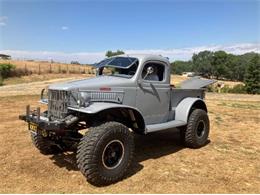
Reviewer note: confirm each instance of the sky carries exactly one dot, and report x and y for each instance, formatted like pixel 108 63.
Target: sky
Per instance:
pixel 84 30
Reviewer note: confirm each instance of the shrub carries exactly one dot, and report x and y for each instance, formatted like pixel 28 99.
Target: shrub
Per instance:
pixel 18 72
pixel 1 80
pixel 73 71
pixel 6 69
pixel 63 71
pixel 239 88
pixel 225 89
pixel 212 88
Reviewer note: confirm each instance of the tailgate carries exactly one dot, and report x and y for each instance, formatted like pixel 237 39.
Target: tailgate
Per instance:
pixel 196 83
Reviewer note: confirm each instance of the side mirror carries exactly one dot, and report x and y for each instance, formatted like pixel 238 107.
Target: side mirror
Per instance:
pixel 149 71
pixel 97 71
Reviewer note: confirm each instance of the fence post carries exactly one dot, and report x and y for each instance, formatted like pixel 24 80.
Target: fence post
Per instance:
pixel 39 68
pixel 25 68
pixel 67 68
pixel 50 71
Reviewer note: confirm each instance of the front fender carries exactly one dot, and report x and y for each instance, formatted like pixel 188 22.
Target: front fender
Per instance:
pixel 184 107
pixel 96 107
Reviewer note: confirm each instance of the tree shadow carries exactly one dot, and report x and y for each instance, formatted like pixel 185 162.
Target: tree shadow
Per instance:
pixel 153 146
pixel 150 146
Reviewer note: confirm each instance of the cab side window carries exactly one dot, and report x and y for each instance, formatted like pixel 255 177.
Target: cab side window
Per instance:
pixel 153 72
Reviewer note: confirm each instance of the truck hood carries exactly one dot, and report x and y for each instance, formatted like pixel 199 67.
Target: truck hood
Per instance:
pixel 92 83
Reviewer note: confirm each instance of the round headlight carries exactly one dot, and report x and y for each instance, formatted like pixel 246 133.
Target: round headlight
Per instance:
pixel 84 99
pixel 44 93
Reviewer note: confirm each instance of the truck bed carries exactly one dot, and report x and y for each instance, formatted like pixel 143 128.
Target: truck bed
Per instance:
pixel 194 87
pixel 178 95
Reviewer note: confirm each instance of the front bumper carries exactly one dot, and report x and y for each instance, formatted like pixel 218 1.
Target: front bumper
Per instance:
pixel 42 122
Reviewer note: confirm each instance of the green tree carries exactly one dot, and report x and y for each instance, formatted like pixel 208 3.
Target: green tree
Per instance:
pixel 252 79
pixel 219 64
pixel 75 62
pixel 233 69
pixel 243 62
pixel 178 67
pixel 110 53
pixel 202 63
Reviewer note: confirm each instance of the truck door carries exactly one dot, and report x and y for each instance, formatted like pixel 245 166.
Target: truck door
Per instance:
pixel 153 92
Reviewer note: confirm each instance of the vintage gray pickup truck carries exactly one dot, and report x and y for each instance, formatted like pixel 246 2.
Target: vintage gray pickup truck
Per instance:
pixel 130 94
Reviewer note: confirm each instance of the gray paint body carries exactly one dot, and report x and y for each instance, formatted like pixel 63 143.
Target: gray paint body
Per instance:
pixel 160 105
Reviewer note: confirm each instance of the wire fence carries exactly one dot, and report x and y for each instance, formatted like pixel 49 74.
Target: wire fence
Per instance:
pixel 42 67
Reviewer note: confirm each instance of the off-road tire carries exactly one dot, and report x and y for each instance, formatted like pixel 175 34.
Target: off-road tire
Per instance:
pixel 197 131
pixel 44 145
pixel 91 149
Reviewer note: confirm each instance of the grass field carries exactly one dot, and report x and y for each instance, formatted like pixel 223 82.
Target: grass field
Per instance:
pixel 45 67
pixel 44 71
pixel 228 164
pixel 43 77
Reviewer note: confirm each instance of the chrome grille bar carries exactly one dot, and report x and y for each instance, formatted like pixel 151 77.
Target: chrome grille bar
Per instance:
pixel 57 103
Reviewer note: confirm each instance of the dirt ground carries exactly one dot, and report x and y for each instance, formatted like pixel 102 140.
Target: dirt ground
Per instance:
pixel 229 163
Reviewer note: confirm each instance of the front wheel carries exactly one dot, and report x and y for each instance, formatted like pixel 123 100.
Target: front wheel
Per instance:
pixel 197 130
pixel 105 153
pixel 44 145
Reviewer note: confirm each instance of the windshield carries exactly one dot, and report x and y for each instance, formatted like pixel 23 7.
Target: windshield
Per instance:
pixel 118 66
pixel 120 62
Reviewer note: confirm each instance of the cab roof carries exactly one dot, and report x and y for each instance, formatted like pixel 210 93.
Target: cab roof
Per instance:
pixel 141 58
pixel 147 57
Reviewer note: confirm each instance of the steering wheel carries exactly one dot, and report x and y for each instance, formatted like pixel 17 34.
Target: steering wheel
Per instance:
pixel 131 72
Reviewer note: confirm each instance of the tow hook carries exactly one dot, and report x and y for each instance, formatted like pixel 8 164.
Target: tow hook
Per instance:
pixel 71 119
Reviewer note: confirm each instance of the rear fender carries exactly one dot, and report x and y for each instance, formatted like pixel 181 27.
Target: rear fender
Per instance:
pixel 185 107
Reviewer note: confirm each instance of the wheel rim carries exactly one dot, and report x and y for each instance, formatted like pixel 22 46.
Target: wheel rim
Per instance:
pixel 201 128
pixel 113 154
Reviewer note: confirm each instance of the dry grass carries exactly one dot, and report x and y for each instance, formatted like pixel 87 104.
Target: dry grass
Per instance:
pixel 45 67
pixel 228 164
pixel 43 77
pixel 60 70
pixel 177 79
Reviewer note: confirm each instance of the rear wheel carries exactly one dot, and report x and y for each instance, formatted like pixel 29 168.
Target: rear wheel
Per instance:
pixel 105 153
pixel 196 133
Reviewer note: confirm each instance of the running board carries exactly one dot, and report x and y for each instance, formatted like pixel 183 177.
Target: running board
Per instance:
pixel 163 126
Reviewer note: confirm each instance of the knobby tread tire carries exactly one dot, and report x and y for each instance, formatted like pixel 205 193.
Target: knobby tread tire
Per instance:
pixel 91 147
pixel 43 145
pixel 190 138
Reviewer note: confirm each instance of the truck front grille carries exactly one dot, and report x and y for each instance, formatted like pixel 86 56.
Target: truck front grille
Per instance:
pixel 57 103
